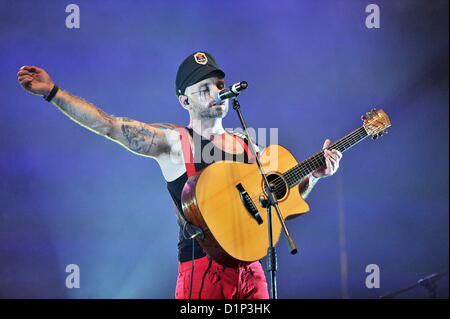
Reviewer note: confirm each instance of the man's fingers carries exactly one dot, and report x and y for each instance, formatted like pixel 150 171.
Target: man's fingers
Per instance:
pixel 332 158
pixel 329 164
pixel 335 154
pixel 26 72
pixel 25 84
pixel 31 68
pixel 326 143
pixel 23 72
pixel 331 155
pixel 37 69
pixel 338 154
pixel 25 78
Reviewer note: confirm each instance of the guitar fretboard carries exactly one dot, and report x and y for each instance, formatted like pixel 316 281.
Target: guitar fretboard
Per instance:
pixel 295 174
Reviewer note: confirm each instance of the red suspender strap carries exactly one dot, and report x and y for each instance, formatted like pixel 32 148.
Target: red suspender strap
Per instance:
pixel 250 155
pixel 189 157
pixel 187 152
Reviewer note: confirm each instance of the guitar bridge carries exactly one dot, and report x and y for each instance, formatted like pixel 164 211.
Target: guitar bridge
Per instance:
pixel 248 203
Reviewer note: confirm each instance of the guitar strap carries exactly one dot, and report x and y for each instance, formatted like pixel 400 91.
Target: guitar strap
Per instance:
pixel 188 156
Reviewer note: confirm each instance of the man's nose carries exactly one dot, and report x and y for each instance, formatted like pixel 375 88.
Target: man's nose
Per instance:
pixel 211 98
pixel 214 93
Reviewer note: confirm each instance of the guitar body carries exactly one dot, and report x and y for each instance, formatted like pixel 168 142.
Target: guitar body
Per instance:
pixel 215 200
pixel 224 199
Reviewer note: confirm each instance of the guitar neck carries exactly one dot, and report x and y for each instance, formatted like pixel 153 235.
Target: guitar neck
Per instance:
pixel 297 173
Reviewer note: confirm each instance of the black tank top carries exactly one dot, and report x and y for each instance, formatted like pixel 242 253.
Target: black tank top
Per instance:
pixel 175 188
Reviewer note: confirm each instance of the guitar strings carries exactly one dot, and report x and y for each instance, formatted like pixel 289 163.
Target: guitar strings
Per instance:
pixel 294 175
pixel 318 159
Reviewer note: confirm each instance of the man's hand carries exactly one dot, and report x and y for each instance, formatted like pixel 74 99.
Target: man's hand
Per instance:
pixel 332 159
pixel 35 80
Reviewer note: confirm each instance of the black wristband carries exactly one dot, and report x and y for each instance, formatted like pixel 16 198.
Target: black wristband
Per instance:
pixel 52 93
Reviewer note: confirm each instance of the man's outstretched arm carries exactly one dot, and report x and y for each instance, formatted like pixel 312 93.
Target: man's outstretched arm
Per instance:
pixel 141 138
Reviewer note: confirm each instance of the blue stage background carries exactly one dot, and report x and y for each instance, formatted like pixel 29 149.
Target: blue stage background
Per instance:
pixel 68 196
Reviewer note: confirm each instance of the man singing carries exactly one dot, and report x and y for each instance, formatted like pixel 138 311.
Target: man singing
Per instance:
pixel 198 80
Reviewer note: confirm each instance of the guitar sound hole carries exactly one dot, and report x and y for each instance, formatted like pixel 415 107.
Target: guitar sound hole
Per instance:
pixel 279 184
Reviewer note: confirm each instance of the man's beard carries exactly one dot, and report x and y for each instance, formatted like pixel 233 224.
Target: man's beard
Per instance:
pixel 214 112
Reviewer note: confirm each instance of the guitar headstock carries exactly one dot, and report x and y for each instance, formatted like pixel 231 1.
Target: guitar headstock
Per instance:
pixel 376 123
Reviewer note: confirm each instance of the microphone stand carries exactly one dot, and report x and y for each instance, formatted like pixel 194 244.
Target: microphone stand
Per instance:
pixel 429 283
pixel 268 203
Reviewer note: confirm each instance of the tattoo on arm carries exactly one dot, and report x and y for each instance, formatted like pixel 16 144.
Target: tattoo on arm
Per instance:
pixel 144 139
pixel 140 139
pixel 83 112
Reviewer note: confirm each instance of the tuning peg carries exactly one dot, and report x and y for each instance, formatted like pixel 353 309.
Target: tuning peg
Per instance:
pixel 363 118
pixel 374 137
pixel 385 131
pixel 373 111
pixel 368 115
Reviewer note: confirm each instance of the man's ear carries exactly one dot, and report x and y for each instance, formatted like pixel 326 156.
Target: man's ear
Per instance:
pixel 184 101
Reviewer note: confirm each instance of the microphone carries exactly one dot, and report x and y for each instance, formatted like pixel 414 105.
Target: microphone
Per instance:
pixel 231 92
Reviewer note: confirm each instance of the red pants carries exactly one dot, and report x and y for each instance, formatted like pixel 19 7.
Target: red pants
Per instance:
pixel 214 281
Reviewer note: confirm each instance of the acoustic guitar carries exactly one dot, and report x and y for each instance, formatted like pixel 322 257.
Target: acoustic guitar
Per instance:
pixel 224 199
